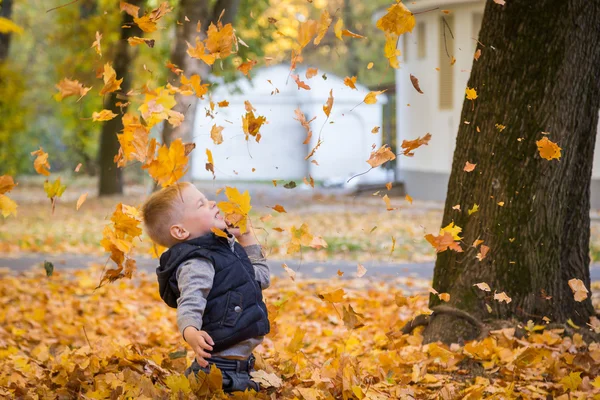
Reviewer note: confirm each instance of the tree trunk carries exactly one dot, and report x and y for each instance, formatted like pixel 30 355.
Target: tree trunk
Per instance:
pixel 111 177
pixel 538 72
pixel 5 11
pixel 186 32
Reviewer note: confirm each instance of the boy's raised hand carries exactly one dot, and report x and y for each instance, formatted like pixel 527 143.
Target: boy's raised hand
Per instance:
pixel 201 343
pixel 248 238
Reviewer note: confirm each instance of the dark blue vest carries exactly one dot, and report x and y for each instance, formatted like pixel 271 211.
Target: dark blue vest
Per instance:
pixel 235 310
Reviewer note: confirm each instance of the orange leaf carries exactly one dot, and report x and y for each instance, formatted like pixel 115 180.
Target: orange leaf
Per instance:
pixel 548 149
pixel 130 9
pixel 324 23
pixel 215 134
pixel 96 45
pixel 6 184
pixel 415 83
pixel 409 199
pixel 310 72
pixel 196 83
pixel 469 167
pixel 388 203
pixel 223 103
pixel 218 232
pixel 245 68
pixel 471 93
pixel 410 145
pixel 81 200
pixel 104 115
pixel 579 289
pixel 279 208
pixel 290 272
pixel 306 31
pixel 110 80
pixel 337 296
pixel 220 40
pixel 252 124
pixel 199 52
pixel 68 87
pixel 346 32
pixel 382 155
pixel 41 164
pixel 301 84
pixel 483 251
pixel 502 297
pixel 136 41
pixel 329 104
pixel 360 271
pixel 170 165
pixel 375 129
pixel 443 242
pixel 388 186
pixel 350 82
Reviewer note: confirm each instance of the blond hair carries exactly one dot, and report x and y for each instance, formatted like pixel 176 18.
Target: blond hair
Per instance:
pixel 160 211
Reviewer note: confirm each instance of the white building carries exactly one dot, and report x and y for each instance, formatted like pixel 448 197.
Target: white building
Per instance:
pixel 438 110
pixel 280 154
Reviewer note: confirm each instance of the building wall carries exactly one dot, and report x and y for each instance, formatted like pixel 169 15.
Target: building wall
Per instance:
pixel 438 110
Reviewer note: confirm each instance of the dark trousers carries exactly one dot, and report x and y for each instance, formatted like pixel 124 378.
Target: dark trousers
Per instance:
pixel 236 373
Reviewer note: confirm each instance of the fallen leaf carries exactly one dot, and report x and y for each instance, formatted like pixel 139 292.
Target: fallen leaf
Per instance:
pixel 81 200
pixel 266 379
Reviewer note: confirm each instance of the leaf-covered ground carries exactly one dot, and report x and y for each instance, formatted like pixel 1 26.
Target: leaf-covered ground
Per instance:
pixel 61 338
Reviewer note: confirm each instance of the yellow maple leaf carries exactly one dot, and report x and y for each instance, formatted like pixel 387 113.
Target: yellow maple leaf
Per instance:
pixel 452 229
pixel 324 23
pixel 104 115
pixel 572 381
pixel 55 189
pixel 111 83
pixel 337 296
pixel 133 141
pixel 473 209
pixel 220 40
pixel 146 24
pixel 391 51
pixel 215 134
pixel 306 31
pixel 126 219
pixel 296 343
pixel 7 206
pixel 350 82
pixel 548 149
pixel 195 82
pixel 299 237
pixel 170 165
pixel 199 52
pixel 337 28
pixel 67 87
pixel 371 97
pixel 136 41
pixel 398 20
pixel 41 164
pixel 252 124
pixel 156 106
pixel 471 93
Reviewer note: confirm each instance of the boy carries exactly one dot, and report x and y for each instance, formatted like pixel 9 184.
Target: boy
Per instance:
pixel 214 282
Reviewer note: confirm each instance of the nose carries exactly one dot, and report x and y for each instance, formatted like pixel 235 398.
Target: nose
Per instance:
pixel 212 204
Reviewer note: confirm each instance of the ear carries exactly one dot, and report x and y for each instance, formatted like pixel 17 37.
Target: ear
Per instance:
pixel 178 232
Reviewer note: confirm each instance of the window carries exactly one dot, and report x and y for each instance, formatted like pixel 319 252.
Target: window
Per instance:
pixel 446 52
pixel 421 41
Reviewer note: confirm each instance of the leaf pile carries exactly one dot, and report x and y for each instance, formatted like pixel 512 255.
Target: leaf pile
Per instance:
pixel 329 340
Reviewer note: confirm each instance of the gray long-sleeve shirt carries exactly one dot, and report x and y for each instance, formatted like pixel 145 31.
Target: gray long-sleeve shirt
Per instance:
pixel 195 279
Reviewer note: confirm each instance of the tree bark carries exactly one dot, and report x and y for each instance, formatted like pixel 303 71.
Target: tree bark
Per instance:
pixel 186 32
pixel 111 177
pixel 5 11
pixel 538 72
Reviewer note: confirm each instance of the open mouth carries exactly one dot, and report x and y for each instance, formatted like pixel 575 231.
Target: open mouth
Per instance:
pixel 218 215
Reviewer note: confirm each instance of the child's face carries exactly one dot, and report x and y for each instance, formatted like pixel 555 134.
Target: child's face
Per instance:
pixel 198 215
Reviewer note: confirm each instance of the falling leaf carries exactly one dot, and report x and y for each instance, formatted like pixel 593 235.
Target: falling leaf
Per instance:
pixel 337 28
pixel 324 23
pixel 301 84
pixel 471 93
pixel 54 190
pixel 388 186
pixel 483 286
pixel 444 297
pixel 210 165
pixel 7 206
pixel 68 87
pixel 245 67
pixel 443 242
pixel 415 83
pixel 279 208
pixel 111 83
pixel 483 251
pixel 340 273
pixel 81 200
pixel 136 41
pixel 41 164
pixel 409 199
pixel 501 203
pixel 381 156
pixel 346 32
pixel 252 124
pixel 170 165
pixel 223 103
pixel 350 82
pixel 311 72
pixel 398 20
pixel 104 115
pixel 370 65
pixel 351 318
pixel 501 2
pixel 306 31
pixel 469 167
pixel 236 209
pixel 199 52
pixel 548 149
pixel 579 290
pixel 215 134
pixel 473 209
pixel 502 297
pixel 500 127
pixel 290 185
pixel 477 242
pixel 477 55
pixel 375 129
pixel 337 296
pixel 289 271
pixel 371 97
pixel 456 207
pixel 6 184
pixel 360 271
pixel 130 9
pixel 388 203
pixel 96 45
pixel 7 26
pixel 410 145
pixel 195 83
pixel 329 104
